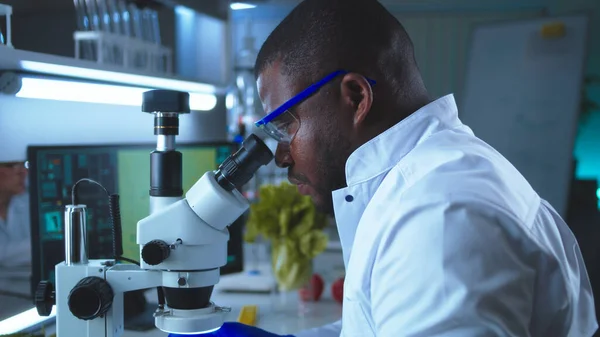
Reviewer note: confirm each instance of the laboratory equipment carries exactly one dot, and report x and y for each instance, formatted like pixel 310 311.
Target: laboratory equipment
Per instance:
pixel 91 10
pixel 6 11
pixel 121 7
pixel 122 168
pixel 243 110
pixel 84 23
pixel 117 32
pixel 182 242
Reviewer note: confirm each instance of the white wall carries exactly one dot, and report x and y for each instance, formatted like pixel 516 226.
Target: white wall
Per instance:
pixel 441 42
pixel 202 45
pixel 592 8
pixel 440 33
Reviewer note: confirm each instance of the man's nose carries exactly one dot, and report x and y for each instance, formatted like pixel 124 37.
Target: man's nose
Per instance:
pixel 283 158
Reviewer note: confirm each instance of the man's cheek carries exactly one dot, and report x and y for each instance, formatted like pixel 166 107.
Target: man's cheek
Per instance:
pixel 302 154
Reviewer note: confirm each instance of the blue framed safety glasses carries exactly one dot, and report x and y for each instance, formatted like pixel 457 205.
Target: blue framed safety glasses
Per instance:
pixel 281 124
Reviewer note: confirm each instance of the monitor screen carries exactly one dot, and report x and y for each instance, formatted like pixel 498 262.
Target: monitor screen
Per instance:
pixel 120 169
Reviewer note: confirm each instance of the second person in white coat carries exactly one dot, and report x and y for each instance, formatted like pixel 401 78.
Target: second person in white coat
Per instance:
pixel 15 241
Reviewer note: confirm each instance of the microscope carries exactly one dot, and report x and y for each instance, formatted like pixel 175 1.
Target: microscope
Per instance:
pixel 183 242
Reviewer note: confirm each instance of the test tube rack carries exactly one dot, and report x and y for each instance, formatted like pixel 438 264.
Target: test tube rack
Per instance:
pixel 6 10
pixel 124 51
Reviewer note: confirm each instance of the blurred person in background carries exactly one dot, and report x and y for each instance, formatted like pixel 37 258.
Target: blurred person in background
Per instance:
pixel 15 244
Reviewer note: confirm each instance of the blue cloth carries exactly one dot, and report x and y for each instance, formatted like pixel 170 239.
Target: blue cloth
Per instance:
pixel 235 329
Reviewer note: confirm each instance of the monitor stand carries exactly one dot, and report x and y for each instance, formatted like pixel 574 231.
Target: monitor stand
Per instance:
pixel 137 312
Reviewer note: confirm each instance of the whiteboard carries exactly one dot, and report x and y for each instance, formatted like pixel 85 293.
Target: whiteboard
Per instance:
pixel 522 96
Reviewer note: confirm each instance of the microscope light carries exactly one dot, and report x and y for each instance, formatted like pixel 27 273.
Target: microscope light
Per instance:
pixel 63 90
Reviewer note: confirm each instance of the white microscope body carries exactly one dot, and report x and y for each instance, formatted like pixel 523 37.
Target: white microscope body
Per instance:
pixel 183 243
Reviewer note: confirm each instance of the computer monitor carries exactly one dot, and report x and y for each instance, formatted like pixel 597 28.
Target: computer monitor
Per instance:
pixel 122 169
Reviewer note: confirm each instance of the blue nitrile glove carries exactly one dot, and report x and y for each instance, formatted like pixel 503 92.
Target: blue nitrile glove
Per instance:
pixel 235 329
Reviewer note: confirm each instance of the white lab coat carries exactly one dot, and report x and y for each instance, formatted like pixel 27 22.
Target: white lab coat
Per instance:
pixel 15 242
pixel 442 237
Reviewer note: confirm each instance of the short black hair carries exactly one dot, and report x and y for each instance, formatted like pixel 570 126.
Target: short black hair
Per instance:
pixel 322 36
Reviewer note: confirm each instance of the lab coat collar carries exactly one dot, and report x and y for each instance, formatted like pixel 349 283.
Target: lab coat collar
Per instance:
pixel 383 152
pixel 368 165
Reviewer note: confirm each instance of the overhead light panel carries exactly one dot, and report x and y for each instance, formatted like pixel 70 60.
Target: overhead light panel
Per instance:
pixel 186 11
pixel 241 5
pixel 75 91
pixel 24 320
pixel 115 77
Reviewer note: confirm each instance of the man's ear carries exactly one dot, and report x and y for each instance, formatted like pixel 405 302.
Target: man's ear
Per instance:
pixel 357 93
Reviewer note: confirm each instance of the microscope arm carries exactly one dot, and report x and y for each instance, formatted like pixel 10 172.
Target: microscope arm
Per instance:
pixel 191 234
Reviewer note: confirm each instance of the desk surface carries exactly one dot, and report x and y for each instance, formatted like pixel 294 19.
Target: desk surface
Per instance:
pixel 277 313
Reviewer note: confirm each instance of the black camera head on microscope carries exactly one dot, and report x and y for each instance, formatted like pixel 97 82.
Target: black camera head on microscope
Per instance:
pixel 166 101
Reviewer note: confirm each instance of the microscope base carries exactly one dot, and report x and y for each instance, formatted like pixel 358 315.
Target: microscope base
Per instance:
pixel 191 321
pixel 75 317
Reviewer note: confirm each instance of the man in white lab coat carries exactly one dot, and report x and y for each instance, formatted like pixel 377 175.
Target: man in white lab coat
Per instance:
pixel 441 235
pixel 15 244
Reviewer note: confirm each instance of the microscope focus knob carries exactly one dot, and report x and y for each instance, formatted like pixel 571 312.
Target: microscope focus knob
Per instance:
pixel 155 252
pixel 90 298
pixel 44 298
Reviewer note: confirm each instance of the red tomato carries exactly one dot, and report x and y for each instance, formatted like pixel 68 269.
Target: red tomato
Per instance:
pixel 337 290
pixel 313 290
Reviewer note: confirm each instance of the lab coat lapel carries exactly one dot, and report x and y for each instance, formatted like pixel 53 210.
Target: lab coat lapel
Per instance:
pixel 347 216
pixel 349 204
pixel 369 164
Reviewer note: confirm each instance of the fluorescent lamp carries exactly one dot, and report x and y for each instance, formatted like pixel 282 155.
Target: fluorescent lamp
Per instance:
pixel 24 320
pixel 116 77
pixel 241 5
pixel 62 90
pixel 186 11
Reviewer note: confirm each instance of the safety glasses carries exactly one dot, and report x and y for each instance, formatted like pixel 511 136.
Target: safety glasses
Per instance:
pixel 281 124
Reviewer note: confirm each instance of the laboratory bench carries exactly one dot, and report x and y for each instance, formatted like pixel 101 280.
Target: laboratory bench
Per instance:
pixel 277 313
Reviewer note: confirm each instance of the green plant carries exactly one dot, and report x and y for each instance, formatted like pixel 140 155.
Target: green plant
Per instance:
pixel 294 227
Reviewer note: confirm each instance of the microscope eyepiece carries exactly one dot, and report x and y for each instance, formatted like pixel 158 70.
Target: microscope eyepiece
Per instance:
pixel 240 167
